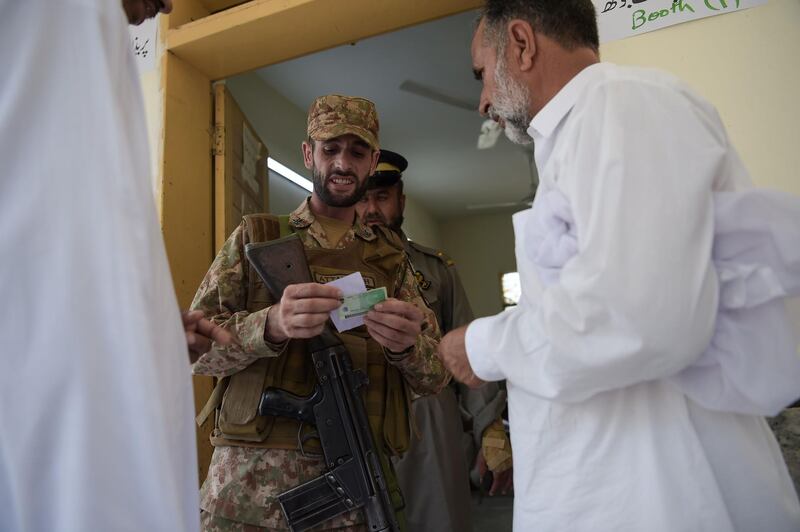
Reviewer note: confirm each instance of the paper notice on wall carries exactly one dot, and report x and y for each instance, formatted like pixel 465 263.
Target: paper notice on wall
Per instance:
pixel 618 19
pixel 144 43
pixel 251 149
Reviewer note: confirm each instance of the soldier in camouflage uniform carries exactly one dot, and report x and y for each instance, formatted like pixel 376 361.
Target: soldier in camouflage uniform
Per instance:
pixel 257 458
pixel 433 474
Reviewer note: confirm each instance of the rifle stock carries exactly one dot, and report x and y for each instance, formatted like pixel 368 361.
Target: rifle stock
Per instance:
pixel 280 263
pixel 353 477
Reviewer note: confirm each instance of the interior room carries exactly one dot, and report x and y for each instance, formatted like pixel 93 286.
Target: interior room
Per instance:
pixel 578 310
pixel 416 67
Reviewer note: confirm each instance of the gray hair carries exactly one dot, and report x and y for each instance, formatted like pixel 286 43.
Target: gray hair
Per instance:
pixel 571 23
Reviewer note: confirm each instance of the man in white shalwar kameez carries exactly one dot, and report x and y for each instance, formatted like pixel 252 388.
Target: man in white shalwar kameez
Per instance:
pixel 96 403
pixel 651 336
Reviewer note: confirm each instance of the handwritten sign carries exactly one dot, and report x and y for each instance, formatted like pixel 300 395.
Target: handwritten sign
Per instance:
pixel 618 19
pixel 144 42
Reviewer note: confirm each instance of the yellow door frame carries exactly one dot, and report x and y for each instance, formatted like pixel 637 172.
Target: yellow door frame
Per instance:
pixel 201 48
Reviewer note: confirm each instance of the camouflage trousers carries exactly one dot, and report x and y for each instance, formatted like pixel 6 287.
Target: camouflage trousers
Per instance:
pixel 215 523
pixel 243 485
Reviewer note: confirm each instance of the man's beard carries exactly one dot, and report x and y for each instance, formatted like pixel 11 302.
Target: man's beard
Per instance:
pixel 328 198
pixel 394 224
pixel 511 103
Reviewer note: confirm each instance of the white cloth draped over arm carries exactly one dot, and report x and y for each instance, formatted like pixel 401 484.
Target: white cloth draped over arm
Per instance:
pixel 752 364
pixel 638 300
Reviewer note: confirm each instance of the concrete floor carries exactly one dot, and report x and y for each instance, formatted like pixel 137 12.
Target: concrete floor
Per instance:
pixel 492 514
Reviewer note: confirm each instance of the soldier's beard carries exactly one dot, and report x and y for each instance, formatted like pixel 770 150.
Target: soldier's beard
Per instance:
pixel 511 103
pixel 335 200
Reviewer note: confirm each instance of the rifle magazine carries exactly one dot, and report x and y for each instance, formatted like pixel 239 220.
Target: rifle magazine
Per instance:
pixel 315 502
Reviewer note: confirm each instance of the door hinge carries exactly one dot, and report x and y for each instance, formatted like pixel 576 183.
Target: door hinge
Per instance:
pixel 219 140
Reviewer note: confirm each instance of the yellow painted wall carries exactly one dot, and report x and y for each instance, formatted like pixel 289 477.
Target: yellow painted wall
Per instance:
pixel 747 64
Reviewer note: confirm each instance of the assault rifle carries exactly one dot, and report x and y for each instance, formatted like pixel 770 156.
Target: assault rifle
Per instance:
pixel 353 477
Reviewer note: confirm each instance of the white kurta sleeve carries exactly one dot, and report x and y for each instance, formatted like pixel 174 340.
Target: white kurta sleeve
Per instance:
pixel 638 300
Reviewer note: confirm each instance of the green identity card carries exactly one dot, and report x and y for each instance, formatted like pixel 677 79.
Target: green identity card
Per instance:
pixel 360 304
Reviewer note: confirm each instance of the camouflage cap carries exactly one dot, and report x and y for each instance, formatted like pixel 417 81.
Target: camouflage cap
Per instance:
pixel 335 115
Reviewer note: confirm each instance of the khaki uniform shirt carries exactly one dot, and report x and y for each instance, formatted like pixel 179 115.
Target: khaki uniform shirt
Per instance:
pixel 433 474
pixel 442 289
pixel 243 483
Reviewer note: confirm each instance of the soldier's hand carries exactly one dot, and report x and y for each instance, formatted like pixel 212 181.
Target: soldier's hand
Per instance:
pixel 394 324
pixel 453 353
pixel 200 333
pixel 302 311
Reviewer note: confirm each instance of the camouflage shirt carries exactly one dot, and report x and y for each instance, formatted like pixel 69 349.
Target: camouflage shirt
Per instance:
pixel 243 482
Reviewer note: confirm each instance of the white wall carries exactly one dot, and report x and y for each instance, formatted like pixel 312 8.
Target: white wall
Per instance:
pixel 420 226
pixel 483 249
pixel 279 123
pixel 281 126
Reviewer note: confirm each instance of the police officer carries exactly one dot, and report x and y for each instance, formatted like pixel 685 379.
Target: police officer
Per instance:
pixel 255 457
pixel 434 473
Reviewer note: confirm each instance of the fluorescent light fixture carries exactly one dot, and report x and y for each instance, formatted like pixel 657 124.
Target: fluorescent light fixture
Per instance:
pixel 289 174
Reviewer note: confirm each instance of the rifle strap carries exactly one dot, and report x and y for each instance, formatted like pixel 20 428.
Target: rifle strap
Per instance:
pixel 257 228
pixel 283 225
pixel 392 484
pixel 214 400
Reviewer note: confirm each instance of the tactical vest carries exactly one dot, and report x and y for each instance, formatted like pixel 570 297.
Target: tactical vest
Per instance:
pixel 386 397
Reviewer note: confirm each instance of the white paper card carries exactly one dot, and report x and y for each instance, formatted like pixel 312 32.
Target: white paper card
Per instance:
pixel 618 19
pixel 349 285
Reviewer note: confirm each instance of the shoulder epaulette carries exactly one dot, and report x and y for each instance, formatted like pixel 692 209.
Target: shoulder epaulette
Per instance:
pixel 433 253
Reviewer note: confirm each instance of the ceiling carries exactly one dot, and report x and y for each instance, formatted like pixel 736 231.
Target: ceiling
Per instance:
pixel 446 171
